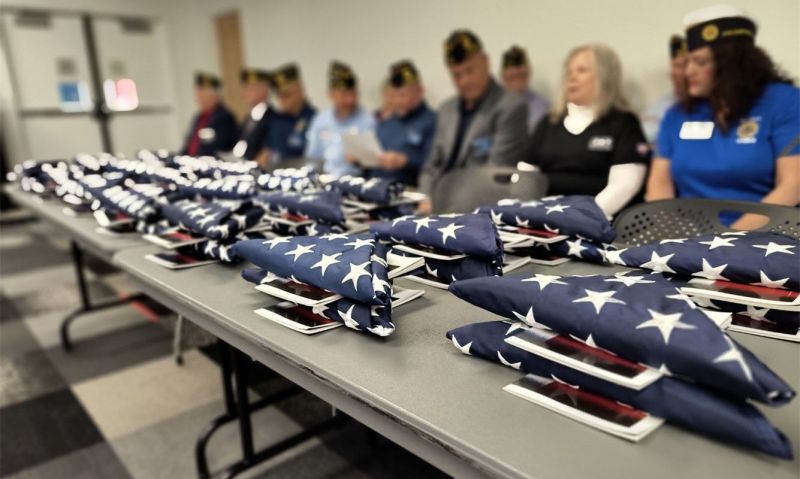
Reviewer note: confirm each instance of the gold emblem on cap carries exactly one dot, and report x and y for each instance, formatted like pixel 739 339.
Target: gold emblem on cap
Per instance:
pixel 748 128
pixel 252 77
pixel 710 32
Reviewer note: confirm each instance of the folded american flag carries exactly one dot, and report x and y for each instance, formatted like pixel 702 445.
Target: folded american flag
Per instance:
pixel 210 167
pixel 377 319
pixel 642 318
pixel 567 215
pixel 789 319
pixel 139 203
pixel 351 265
pixel 753 257
pixel 315 228
pixel 684 404
pixel 221 250
pixel 215 220
pixel 374 190
pixel 584 250
pixel 453 270
pixel 323 206
pixel 228 187
pixel 472 234
pixel 288 179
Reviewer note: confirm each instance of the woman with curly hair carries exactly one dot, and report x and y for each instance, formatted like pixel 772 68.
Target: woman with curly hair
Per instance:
pixel 737 134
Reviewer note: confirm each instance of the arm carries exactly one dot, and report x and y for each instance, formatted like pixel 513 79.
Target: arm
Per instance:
pixel 659 184
pixel 510 135
pixel 624 181
pixel 786 191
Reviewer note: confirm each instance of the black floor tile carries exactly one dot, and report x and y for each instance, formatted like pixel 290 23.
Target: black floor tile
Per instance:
pixel 38 254
pixel 8 312
pixel 27 376
pixel 42 429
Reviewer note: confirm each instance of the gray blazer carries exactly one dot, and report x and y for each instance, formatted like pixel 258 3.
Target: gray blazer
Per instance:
pixel 496 135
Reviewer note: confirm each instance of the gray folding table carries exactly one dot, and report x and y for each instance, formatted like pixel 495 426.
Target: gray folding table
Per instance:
pixel 416 389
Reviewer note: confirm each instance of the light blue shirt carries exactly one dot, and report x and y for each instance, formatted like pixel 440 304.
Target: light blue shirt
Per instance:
pixel 325 139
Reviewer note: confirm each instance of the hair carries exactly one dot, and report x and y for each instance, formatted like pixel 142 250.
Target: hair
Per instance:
pixel 608 87
pixel 741 72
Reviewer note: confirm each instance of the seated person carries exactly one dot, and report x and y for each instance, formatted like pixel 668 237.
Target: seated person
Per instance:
pixel 407 135
pixel 344 116
pixel 289 122
pixel 517 74
pixel 482 125
pixel 255 93
pixel 591 144
pixel 213 127
pixel 737 136
pixel 651 119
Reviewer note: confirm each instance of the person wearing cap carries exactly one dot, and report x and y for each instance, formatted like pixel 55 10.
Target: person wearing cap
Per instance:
pixel 343 116
pixel 288 123
pixel 482 125
pixel 737 135
pixel 517 73
pixel 255 92
pixel 591 143
pixel 214 127
pixel 407 135
pixel 677 76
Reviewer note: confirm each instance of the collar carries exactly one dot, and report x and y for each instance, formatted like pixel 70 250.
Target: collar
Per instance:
pixel 462 104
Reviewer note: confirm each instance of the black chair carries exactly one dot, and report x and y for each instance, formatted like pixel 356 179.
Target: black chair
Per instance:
pixel 463 190
pixel 688 217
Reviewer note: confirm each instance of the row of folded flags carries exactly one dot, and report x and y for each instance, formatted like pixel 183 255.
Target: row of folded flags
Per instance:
pixel 622 352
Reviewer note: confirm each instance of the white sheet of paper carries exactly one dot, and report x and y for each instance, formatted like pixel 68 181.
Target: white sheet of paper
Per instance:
pixel 363 146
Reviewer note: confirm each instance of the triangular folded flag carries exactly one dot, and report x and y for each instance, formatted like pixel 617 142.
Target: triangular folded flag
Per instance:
pixel 754 257
pixel 324 206
pixel 575 215
pixel 684 404
pixel 373 190
pixel 217 220
pixel 353 266
pixel 640 318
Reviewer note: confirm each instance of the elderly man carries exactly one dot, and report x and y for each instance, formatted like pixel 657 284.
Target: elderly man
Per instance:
pixel 483 124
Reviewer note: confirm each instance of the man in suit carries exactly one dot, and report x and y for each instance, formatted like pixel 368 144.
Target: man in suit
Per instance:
pixel 255 92
pixel 482 125
pixel 214 127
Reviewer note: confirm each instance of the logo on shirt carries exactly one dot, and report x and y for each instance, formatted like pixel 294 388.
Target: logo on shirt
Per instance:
pixel 601 143
pixel 747 130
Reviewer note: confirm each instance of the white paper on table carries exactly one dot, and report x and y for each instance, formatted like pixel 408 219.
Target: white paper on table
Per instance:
pixel 363 146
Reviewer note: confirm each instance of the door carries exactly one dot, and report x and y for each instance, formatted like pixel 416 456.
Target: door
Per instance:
pixel 231 59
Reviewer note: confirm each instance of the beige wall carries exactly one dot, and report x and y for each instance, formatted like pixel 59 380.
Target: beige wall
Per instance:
pixel 370 34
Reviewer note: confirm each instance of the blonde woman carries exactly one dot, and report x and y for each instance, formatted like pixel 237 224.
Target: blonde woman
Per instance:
pixel 591 144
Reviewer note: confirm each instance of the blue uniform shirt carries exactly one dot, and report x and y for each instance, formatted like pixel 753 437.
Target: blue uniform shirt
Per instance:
pixel 411 135
pixel 286 134
pixel 325 139
pixel 740 163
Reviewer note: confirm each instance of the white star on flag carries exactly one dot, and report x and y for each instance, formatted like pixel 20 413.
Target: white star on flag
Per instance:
pixel 356 271
pixel 326 261
pixel 733 354
pixel 665 323
pixel 449 231
pixel 528 318
pixel 543 280
pixel 423 222
pixel 506 363
pixel 628 280
pixel 599 299
pixel 359 243
pixel 771 283
pixel 465 348
pixel 719 242
pixel 575 248
pixel 521 223
pixel 659 263
pixel 614 256
pixel 334 236
pixel 676 240
pixel 299 251
pixel 347 317
pixel 555 209
pixel 497 218
pixel 773 247
pixel 711 272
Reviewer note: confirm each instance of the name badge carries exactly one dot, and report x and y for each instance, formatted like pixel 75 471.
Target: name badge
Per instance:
pixel 482 145
pixel 206 134
pixel 601 143
pixel 696 130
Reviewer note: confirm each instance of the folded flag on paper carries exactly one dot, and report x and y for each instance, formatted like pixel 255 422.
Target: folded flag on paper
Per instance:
pixel 376 319
pixel 227 187
pixel 684 404
pixel 353 266
pixel 576 215
pixel 288 179
pixel 321 206
pixel 754 257
pixel 641 318
pixel 374 190
pixel 216 220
